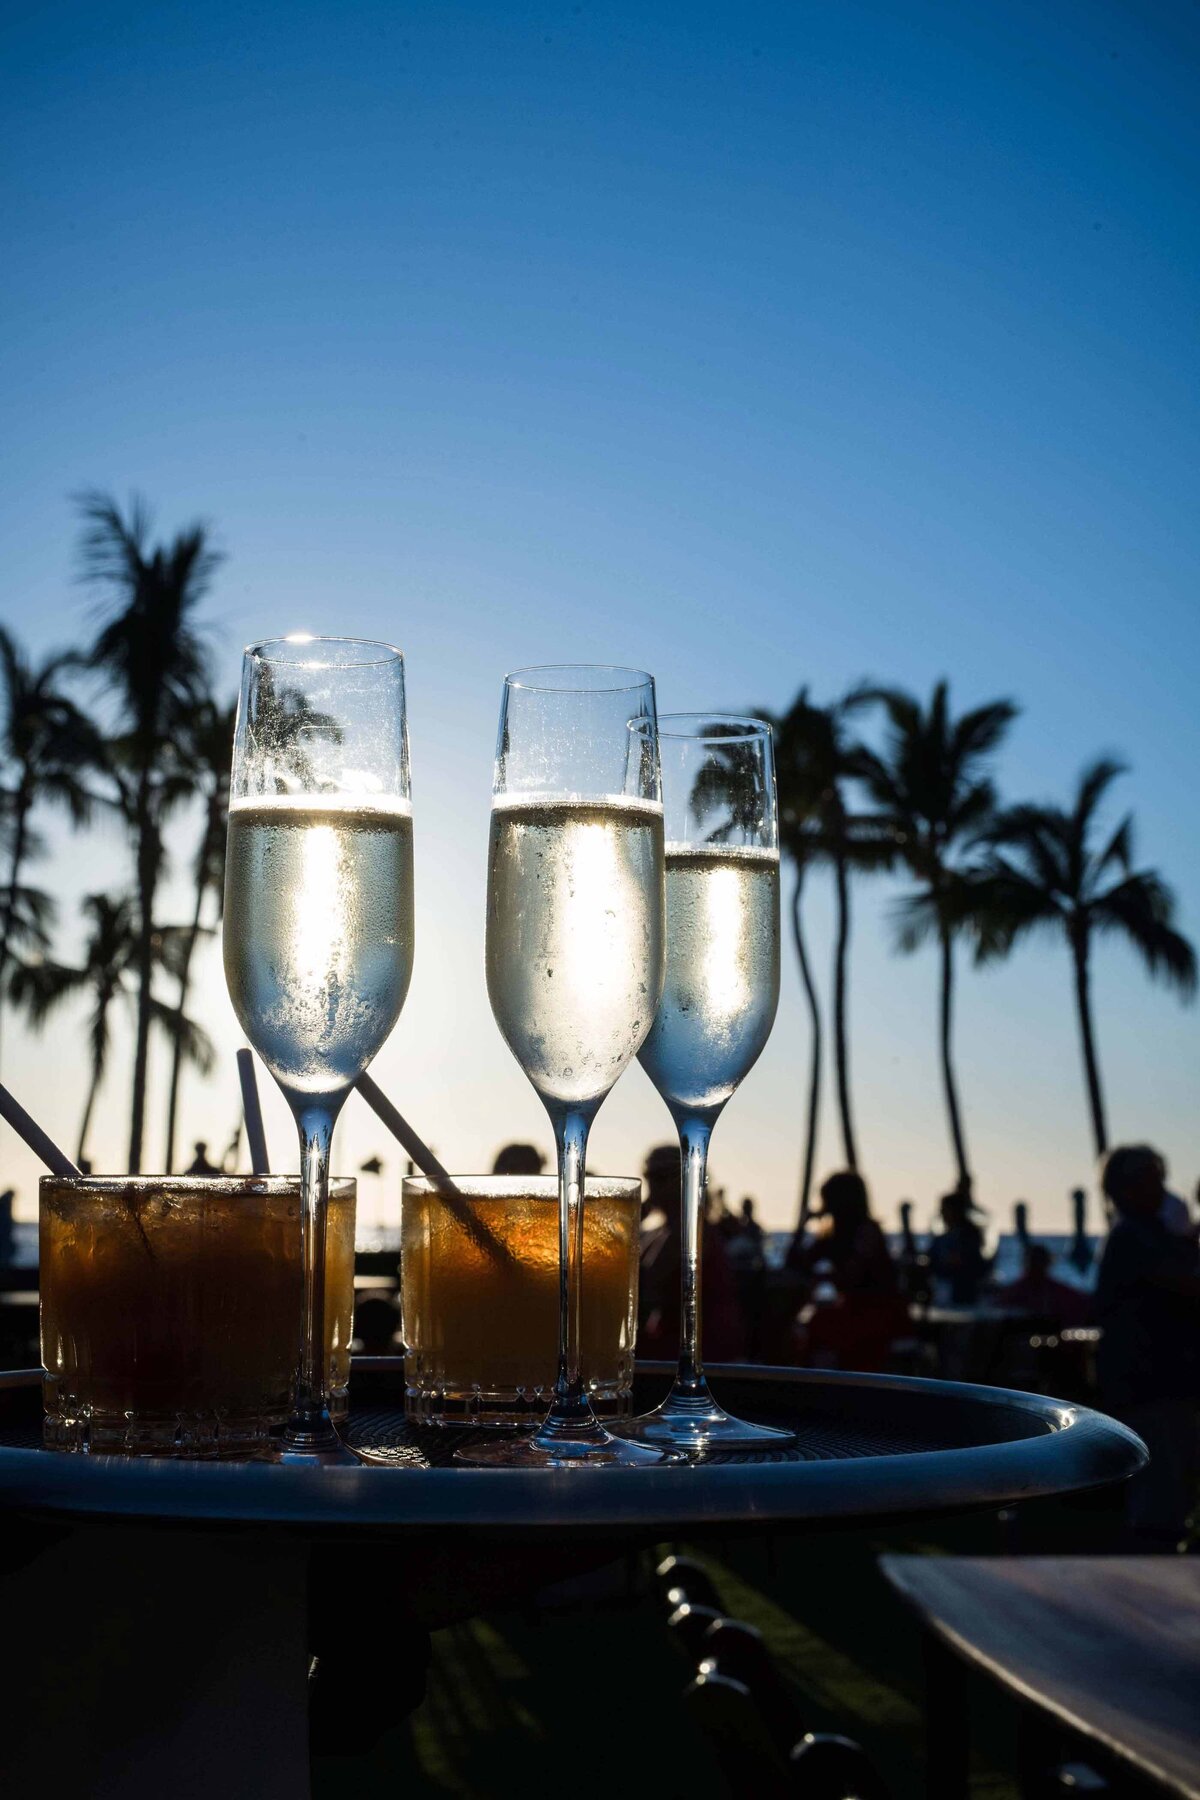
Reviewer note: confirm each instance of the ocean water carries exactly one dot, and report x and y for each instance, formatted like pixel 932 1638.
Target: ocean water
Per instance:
pixel 1007 1249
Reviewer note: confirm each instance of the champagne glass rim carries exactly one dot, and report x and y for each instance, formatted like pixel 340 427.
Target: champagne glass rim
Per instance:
pixel 267 650
pixel 520 678
pixel 745 727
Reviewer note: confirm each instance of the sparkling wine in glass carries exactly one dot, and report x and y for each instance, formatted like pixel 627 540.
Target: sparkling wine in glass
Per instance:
pixel 574 959
pixel 718 1005
pixel 318 931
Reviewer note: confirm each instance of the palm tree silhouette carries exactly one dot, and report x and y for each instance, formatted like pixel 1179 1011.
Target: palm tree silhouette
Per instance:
pixel 149 649
pixel 936 799
pixel 209 744
pixel 1046 873
pixel 47 748
pixel 815 761
pixel 108 973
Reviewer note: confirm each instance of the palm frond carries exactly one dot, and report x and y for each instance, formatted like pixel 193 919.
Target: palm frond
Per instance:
pixel 979 733
pixel 173 947
pixel 28 915
pixel 40 987
pixel 1142 910
pixel 1118 852
pixel 916 920
pixel 194 1041
pixel 999 905
pixel 1040 836
pixel 1094 783
pixel 732 787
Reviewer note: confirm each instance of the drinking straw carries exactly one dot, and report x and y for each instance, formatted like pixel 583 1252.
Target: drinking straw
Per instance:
pixel 256 1137
pixel 402 1131
pixel 43 1147
pixel 427 1162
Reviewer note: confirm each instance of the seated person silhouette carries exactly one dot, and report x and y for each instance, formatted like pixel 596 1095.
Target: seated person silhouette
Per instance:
pixel 518 1159
pixel 1037 1291
pixel 956 1258
pixel 200 1164
pixel 1148 1360
pixel 658 1299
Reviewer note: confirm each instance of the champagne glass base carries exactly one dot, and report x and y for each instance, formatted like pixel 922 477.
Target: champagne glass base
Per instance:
pixel 310 1443
pixel 340 1455
pixel 697 1425
pixel 592 1448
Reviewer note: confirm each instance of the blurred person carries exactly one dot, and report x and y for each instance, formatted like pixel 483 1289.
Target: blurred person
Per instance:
pixel 375 1324
pixel 856 1309
pixel 200 1164
pixel 851 1239
pixel 1148 1362
pixel 1036 1290
pixel 956 1256
pixel 1174 1210
pixel 724 1334
pixel 744 1239
pixel 750 1224
pixel 518 1159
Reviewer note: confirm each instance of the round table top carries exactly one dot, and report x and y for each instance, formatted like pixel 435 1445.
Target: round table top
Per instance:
pixel 869 1447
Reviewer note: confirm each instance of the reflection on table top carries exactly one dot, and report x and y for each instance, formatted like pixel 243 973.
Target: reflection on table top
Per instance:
pixel 1109 1645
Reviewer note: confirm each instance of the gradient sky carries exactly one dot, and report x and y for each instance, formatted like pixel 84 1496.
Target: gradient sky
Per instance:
pixel 755 345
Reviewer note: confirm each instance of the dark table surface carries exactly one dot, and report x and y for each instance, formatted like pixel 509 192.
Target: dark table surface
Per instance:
pixel 869 1446
pixel 1110 1646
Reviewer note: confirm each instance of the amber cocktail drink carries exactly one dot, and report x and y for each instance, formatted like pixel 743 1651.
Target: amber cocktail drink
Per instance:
pixel 171 1309
pixel 479 1281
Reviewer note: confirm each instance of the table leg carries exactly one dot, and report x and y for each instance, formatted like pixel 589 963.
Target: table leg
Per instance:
pixel 143 1663
pixel 947 1725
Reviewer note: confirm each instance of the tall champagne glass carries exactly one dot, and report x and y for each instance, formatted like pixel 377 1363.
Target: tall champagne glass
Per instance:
pixel 717 1008
pixel 318 930
pixel 574 959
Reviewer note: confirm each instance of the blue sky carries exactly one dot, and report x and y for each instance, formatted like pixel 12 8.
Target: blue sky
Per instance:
pixel 756 345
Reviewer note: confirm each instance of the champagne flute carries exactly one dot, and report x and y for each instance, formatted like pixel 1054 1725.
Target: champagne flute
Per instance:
pixel 318 932
pixel 718 1006
pixel 574 960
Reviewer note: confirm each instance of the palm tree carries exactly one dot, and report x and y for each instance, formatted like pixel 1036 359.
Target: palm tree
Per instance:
pixel 107 974
pixel 936 798
pixel 209 751
pixel 815 760
pixel 1046 873
pixel 149 649
pixel 47 747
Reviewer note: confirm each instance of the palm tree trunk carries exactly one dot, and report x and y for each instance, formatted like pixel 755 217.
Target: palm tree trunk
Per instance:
pixel 1091 1065
pixel 946 1027
pixel 106 991
pixel 814 1078
pixel 89 1103
pixel 180 1007
pixel 841 1046
pixel 20 819
pixel 147 871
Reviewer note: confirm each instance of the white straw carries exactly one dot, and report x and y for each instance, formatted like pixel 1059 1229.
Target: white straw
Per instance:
pixel 256 1137
pixel 402 1131
pixel 431 1168
pixel 43 1147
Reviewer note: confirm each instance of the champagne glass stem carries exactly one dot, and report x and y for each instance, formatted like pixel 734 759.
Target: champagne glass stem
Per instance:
pixel 310 1424
pixel 571 1408
pixel 694 1135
